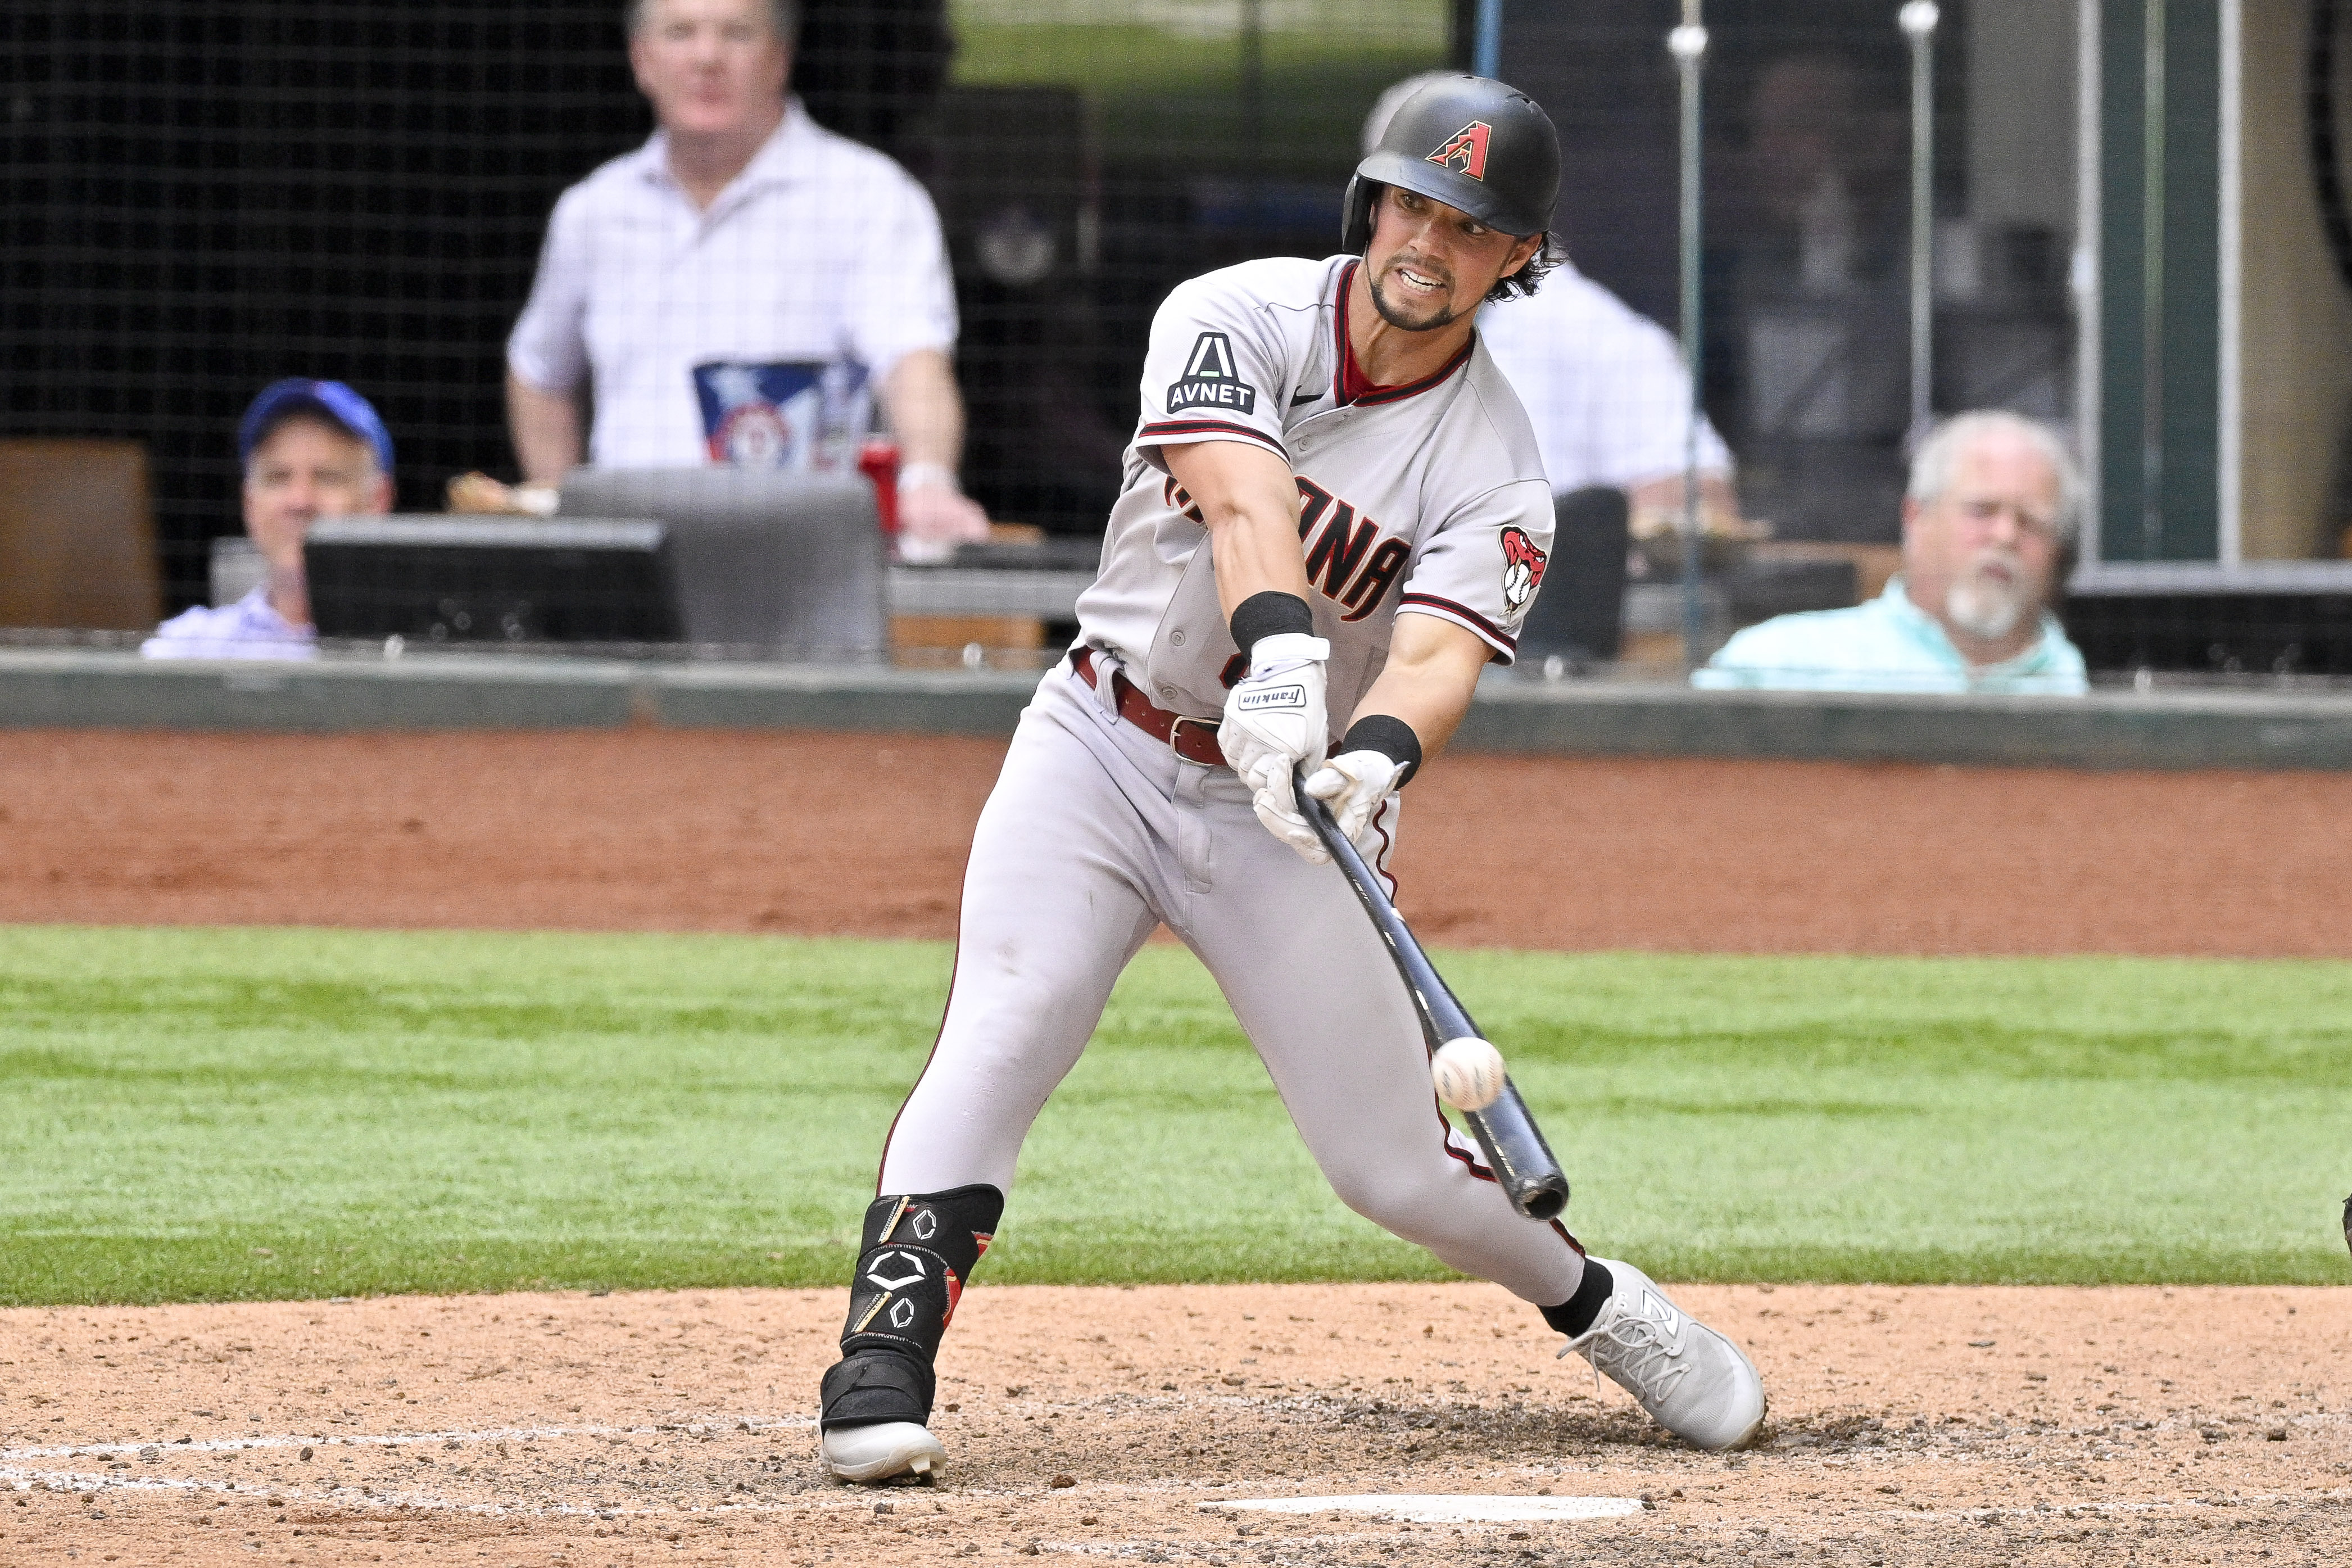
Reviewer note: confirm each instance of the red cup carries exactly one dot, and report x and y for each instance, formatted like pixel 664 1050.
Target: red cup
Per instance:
pixel 879 461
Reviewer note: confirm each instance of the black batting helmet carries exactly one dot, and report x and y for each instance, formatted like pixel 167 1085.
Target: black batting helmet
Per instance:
pixel 1480 146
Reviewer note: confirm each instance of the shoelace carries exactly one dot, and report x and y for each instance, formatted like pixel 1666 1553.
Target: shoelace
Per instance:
pixel 1635 1346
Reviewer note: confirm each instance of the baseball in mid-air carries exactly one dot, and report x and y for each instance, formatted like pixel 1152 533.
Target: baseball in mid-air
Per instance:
pixel 1468 1073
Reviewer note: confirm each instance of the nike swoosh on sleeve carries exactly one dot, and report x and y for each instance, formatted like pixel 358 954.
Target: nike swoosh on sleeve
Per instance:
pixel 1305 397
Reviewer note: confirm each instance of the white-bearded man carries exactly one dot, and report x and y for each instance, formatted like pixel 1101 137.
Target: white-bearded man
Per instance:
pixel 1989 522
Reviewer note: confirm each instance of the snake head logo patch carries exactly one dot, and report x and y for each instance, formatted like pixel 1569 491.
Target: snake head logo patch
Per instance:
pixel 1523 570
pixel 1466 151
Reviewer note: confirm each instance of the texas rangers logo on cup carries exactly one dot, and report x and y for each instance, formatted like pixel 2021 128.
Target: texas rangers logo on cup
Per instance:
pixel 1522 569
pixel 1466 151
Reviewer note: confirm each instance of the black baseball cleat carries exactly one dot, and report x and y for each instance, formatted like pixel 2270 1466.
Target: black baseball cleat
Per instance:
pixel 1693 1382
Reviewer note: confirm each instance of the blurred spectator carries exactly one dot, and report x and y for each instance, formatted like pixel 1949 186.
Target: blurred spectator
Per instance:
pixel 1990 524
pixel 309 449
pixel 742 232
pixel 1824 172
pixel 1605 389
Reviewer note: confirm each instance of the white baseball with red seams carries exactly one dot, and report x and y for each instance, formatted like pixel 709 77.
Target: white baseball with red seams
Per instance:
pixel 1422 500
pixel 1468 1073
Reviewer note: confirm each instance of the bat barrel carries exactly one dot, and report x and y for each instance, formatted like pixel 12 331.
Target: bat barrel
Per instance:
pixel 1522 1162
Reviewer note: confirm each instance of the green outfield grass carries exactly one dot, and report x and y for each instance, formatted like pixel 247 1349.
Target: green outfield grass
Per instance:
pixel 1164 79
pixel 199 1114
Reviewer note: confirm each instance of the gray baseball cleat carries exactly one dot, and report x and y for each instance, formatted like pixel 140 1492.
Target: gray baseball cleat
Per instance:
pixel 881 1451
pixel 1693 1381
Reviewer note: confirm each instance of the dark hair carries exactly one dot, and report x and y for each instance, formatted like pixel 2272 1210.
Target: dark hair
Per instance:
pixel 1528 279
pixel 783 16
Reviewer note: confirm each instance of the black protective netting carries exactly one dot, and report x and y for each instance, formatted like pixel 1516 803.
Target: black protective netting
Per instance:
pixel 197 197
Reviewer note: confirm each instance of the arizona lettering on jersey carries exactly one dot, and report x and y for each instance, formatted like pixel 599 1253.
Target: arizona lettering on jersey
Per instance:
pixel 1342 561
pixel 1425 499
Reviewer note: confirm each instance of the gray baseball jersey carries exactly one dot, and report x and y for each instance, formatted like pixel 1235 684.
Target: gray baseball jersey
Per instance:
pixel 1427 498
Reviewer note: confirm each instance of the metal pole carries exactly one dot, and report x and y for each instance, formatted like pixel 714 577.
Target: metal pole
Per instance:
pixel 1688 44
pixel 1918 20
pixel 2153 224
pixel 1254 75
pixel 1486 47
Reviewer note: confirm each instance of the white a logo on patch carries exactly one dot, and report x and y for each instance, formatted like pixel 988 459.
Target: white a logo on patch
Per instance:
pixel 1658 1309
pixel 1212 359
pixel 1212 379
pixel 1273 700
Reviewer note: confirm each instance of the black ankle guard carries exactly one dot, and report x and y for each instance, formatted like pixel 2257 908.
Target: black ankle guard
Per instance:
pixel 875 1386
pixel 920 1250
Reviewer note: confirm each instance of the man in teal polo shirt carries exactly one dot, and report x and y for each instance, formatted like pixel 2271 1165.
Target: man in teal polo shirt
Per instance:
pixel 1988 526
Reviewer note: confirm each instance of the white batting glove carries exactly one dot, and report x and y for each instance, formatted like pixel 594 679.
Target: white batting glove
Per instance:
pixel 1355 786
pixel 1275 722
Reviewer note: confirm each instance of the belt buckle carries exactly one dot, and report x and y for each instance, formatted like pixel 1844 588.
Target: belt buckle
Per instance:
pixel 1176 730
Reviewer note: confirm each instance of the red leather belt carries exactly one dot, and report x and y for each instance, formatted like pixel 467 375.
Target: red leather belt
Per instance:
pixel 1194 740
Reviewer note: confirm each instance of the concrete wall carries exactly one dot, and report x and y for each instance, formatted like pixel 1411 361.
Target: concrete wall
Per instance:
pixel 2110 730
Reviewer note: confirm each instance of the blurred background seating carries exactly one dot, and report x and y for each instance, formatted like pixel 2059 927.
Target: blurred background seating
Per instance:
pixel 77 536
pixel 197 195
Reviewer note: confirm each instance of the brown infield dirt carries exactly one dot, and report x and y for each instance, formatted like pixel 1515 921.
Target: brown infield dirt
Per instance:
pixel 865 835
pixel 1909 1426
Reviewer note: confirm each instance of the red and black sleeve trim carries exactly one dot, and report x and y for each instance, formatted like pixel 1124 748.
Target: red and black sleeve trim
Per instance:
pixel 1468 616
pixel 1178 430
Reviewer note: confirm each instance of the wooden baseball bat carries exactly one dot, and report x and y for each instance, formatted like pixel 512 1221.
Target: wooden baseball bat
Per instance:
pixel 1514 1147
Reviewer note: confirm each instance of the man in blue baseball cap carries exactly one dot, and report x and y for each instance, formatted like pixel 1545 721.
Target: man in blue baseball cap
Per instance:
pixel 311 449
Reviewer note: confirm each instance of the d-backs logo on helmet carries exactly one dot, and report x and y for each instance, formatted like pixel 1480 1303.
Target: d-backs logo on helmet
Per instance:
pixel 1465 150
pixel 1522 569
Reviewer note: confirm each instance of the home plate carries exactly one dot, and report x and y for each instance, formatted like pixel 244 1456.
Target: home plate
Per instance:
pixel 1445 1507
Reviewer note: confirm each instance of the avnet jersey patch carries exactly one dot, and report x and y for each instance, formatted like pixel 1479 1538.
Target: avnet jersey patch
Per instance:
pixel 1211 380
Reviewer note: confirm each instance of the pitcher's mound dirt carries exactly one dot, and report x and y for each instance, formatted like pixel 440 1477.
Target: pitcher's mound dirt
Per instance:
pixel 1909 1426
pixel 866 835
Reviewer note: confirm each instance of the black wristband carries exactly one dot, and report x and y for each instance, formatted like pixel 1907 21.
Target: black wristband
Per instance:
pixel 1390 736
pixel 1270 613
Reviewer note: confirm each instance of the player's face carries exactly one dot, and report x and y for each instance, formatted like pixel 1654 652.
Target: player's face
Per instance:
pixel 1987 548
pixel 301 471
pixel 709 66
pixel 1429 265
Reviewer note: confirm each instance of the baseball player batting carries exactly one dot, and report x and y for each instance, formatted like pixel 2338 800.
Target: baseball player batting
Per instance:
pixel 1333 518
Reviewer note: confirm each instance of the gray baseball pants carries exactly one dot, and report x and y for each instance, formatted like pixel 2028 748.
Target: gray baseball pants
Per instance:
pixel 1094 835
